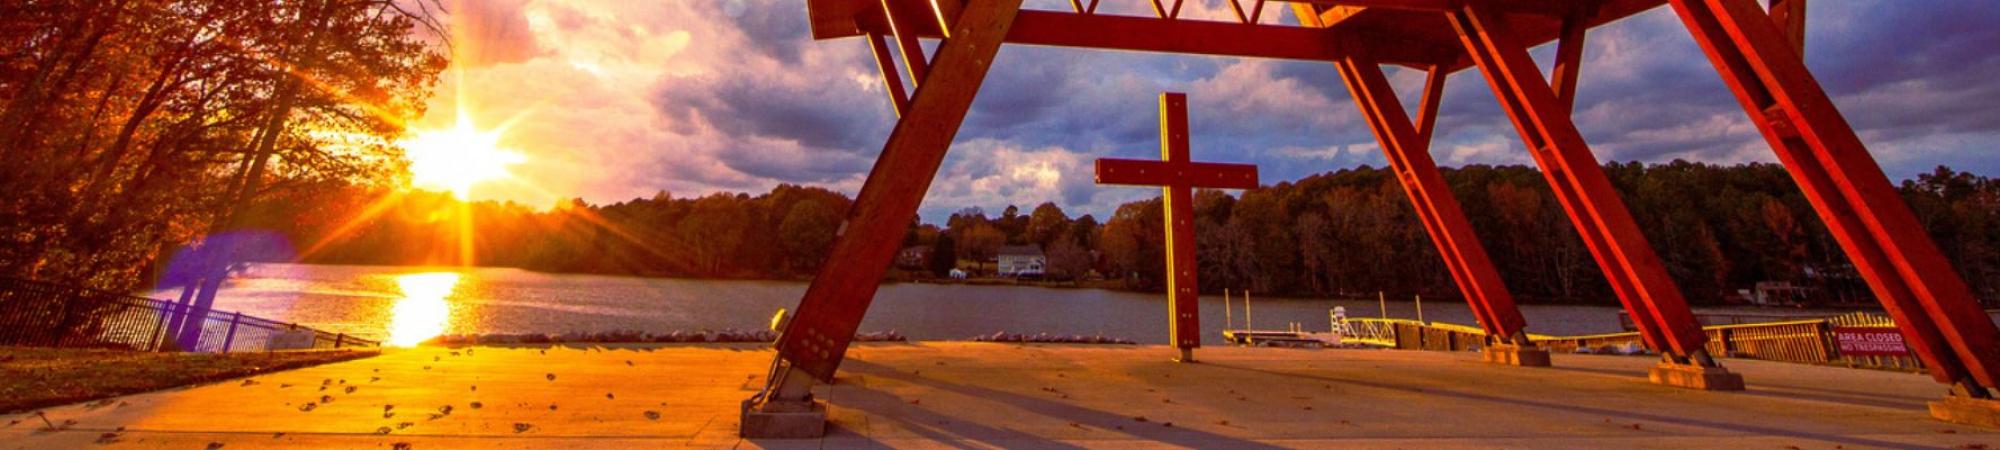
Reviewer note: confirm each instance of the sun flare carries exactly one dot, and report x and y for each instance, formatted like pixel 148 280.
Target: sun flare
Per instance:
pixel 457 158
pixel 422 313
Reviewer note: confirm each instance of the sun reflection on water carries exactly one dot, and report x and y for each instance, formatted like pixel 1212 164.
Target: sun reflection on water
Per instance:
pixel 422 313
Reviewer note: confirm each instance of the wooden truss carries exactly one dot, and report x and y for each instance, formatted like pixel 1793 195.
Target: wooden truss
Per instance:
pixel 1757 53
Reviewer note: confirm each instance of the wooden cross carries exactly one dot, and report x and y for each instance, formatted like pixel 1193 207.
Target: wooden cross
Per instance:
pixel 1178 176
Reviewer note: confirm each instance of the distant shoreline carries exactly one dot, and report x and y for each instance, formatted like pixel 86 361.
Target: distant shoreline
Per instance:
pixel 898 276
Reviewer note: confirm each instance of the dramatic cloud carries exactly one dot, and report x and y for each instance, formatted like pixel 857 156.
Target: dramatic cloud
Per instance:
pixel 617 100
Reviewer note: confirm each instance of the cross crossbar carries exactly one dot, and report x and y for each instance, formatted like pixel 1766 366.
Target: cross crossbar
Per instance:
pixel 1137 172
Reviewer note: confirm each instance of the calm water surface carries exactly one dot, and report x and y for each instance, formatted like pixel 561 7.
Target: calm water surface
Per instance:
pixel 410 304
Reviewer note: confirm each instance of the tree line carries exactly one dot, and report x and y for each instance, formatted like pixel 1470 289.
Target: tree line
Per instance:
pixel 1719 229
pixel 131 128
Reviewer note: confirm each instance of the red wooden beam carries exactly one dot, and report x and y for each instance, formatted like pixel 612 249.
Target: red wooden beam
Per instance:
pixel 1790 15
pixel 1177 176
pixel 1417 28
pixel 892 82
pixel 1601 217
pixel 1172 36
pixel 1427 106
pixel 1444 220
pixel 1139 172
pixel 1569 61
pixel 816 339
pixel 905 33
pixel 1177 206
pixel 1936 312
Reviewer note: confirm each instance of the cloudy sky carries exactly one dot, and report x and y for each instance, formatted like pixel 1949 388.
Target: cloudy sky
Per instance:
pixel 620 99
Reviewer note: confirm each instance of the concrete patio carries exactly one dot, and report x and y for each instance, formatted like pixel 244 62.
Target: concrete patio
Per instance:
pixel 1001 395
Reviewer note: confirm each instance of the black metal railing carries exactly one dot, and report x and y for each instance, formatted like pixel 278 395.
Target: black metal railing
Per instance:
pixel 39 314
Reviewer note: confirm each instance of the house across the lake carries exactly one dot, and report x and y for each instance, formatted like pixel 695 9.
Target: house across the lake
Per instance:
pixel 1021 261
pixel 914 257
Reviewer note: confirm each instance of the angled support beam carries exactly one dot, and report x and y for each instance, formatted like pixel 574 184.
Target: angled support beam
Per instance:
pixel 1409 156
pixel 815 341
pixel 1427 106
pixel 1790 15
pixel 945 12
pixel 1629 262
pixel 892 82
pixel 905 33
pixel 1569 60
pixel 1939 318
pixel 1256 11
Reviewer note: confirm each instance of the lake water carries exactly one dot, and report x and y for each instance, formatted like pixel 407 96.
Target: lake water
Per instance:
pixel 410 304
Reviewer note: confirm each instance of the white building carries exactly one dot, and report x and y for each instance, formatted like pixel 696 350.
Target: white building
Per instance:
pixel 1021 261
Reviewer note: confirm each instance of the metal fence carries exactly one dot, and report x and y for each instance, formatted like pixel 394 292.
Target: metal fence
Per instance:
pixel 41 314
pixel 1802 341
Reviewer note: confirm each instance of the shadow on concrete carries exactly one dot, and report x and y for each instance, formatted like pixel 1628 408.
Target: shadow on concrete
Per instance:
pixel 1611 372
pixel 936 427
pixel 1845 397
pixel 1794 393
pixel 1730 426
pixel 1185 437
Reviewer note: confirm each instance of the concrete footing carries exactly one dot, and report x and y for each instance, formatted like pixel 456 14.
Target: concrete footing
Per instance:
pixel 783 420
pixel 1967 411
pixel 1516 355
pixel 1696 377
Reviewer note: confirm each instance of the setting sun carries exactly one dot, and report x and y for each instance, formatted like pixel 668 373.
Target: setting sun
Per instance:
pixel 455 159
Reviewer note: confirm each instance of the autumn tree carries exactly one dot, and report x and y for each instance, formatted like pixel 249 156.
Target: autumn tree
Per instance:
pixel 1046 223
pixel 807 234
pixel 980 242
pixel 133 126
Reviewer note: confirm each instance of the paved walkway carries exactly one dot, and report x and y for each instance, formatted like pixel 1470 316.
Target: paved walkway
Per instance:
pixel 996 395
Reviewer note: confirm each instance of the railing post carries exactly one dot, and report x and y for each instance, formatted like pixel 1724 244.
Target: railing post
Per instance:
pixel 339 339
pixel 230 337
pixel 62 322
pixel 1728 342
pixel 159 324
